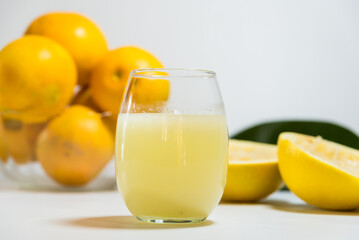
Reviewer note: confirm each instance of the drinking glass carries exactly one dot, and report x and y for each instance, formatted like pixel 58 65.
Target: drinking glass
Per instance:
pixel 171 145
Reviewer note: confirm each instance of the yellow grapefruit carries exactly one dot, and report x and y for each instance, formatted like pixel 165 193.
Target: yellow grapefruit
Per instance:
pixel 75 146
pixel 79 35
pixel 322 173
pixel 110 77
pixel 252 171
pixel 37 78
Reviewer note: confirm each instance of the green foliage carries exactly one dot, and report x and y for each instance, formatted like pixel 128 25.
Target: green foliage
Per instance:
pixel 268 132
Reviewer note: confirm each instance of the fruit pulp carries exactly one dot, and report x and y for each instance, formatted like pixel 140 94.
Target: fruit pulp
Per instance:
pixel 171 166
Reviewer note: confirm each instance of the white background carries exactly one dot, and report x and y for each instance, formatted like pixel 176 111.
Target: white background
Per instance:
pixel 275 59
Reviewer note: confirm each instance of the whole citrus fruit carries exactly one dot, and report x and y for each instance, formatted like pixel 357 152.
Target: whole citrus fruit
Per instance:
pixel 252 171
pixel 110 76
pixel 37 78
pixel 21 139
pixel 322 173
pixel 80 36
pixel 75 146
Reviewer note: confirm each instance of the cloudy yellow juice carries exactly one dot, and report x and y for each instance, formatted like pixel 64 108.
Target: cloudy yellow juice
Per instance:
pixel 171 166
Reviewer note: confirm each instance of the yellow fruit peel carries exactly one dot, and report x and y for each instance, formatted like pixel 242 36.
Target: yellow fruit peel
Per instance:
pixel 252 171
pixel 81 37
pixel 75 146
pixel 109 78
pixel 322 173
pixel 34 87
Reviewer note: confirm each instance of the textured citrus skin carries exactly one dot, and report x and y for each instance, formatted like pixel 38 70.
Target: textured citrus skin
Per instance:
pixel 75 146
pixel 251 179
pixel 21 139
pixel 110 76
pixel 37 78
pixel 251 182
pixel 80 36
pixel 314 181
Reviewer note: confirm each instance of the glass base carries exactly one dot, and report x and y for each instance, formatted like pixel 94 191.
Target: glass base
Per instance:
pixel 169 220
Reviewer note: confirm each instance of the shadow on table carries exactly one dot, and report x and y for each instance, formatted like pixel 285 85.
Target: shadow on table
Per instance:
pixel 127 222
pixel 294 208
pixel 307 209
pixel 261 202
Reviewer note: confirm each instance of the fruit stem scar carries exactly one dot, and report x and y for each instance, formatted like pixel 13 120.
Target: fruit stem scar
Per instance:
pixel 118 75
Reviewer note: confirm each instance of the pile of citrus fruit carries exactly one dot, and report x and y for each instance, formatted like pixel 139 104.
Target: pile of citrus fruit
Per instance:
pixel 322 173
pixel 55 83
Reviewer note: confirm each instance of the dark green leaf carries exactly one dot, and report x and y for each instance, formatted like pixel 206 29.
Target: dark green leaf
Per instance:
pixel 268 132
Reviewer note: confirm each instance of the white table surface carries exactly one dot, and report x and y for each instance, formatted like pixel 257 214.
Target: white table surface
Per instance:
pixel 103 215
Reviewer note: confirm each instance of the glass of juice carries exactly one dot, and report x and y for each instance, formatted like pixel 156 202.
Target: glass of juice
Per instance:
pixel 171 145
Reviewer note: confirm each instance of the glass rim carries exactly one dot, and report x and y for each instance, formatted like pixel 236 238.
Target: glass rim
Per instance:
pixel 180 73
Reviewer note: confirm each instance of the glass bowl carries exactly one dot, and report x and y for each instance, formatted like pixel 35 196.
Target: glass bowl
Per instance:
pixel 20 163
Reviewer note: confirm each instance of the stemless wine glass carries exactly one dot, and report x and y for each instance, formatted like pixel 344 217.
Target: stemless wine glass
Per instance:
pixel 171 145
